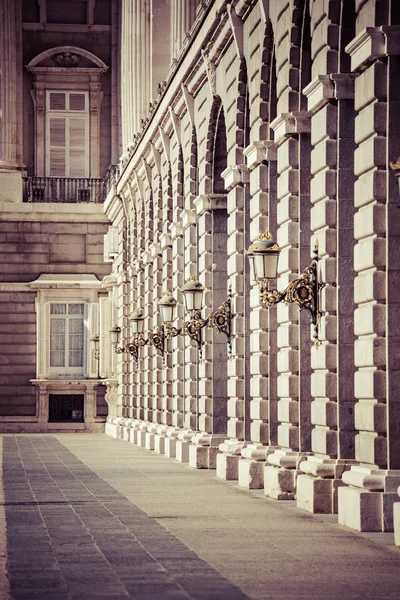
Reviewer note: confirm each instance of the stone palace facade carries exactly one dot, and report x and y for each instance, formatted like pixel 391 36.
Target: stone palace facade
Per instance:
pixel 221 121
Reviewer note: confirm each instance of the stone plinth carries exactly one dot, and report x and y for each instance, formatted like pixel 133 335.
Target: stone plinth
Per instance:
pixel 317 488
pixel 367 504
pixel 228 460
pixel 251 466
pixel 396 521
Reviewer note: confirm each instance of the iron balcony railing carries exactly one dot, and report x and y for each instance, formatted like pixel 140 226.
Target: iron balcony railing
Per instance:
pixel 63 189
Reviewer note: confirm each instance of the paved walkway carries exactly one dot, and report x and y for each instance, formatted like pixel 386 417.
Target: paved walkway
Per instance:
pixel 87 516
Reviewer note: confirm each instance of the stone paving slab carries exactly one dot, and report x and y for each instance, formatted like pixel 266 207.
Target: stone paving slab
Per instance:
pixel 88 516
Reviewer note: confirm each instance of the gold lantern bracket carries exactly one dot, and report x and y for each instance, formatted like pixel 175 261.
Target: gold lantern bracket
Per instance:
pixel 165 332
pixel 221 319
pixel 304 291
pixel 136 342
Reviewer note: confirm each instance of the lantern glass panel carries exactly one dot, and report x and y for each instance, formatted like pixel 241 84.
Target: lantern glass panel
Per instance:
pixel 114 335
pixel 167 313
pixel 266 265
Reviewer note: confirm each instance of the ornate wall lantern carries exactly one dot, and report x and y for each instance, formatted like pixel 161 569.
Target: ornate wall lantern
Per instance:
pixel 395 166
pixel 221 318
pixel 263 255
pixel 137 340
pixel 167 306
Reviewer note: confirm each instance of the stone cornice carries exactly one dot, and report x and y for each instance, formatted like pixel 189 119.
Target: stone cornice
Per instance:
pixel 373 43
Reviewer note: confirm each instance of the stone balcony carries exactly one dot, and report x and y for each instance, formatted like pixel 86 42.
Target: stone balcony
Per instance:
pixel 63 189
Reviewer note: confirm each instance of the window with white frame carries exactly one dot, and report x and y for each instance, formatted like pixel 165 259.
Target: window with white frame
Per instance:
pixel 67 338
pixel 67 134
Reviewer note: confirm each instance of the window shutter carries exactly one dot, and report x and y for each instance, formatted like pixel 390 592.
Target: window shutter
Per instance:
pixel 105 327
pixel 57 144
pixel 77 147
pixel 57 342
pixel 93 329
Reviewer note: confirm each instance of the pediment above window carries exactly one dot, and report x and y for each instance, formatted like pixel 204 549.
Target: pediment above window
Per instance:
pixel 63 58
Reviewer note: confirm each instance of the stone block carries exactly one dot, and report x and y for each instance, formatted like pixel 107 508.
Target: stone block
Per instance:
pixel 227 467
pixel 251 474
pixel 279 483
pixel 288 411
pixel 159 444
pixel 170 447
pixel 369 319
pixel 370 253
pixel 141 439
pixel 324 412
pixel 315 495
pixel 259 409
pixel 324 124
pixel 323 157
pixel 259 432
pixel 149 441
pixel 370 121
pixel 258 386
pixel 370 220
pixel 369 187
pixel 359 509
pixel 323 384
pixel 235 429
pixel 370 85
pixel 182 451
pixel 288 436
pixel 370 351
pixel 323 214
pixel 396 523
pixel 371 448
pixel 370 383
pixel 370 154
pixel 369 285
pixel 288 386
pixel 324 441
pixel 288 209
pixel 370 415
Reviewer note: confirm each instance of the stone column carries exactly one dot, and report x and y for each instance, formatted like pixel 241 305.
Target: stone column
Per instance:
pixel 136 66
pixel 10 98
pixel 367 504
pixel 182 18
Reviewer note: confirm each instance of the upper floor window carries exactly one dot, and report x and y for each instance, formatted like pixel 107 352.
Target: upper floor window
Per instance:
pixel 67 134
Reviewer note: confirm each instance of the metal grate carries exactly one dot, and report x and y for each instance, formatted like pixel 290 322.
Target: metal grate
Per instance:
pixel 66 408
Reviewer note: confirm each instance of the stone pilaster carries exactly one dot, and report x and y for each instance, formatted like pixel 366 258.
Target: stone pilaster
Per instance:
pixel 292 390
pixel 332 408
pixel 261 162
pixel 10 102
pixel 367 504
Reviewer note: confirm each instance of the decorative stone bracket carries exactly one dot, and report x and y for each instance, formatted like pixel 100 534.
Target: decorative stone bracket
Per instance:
pixel 322 89
pixel 234 175
pixel 257 152
pixel 373 43
pixel 289 124
pixel 210 202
